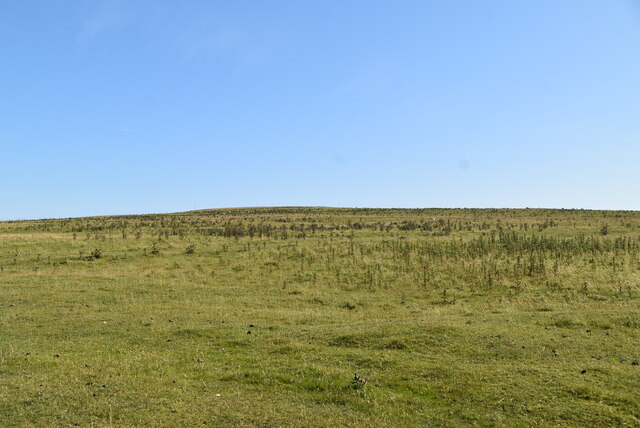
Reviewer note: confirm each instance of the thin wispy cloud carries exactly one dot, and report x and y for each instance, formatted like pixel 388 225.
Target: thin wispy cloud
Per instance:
pixel 106 17
pixel 357 87
pixel 254 57
pixel 211 41
pixel 248 50
pixel 367 84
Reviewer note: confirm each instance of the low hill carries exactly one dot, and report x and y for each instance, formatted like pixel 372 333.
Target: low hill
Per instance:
pixel 317 316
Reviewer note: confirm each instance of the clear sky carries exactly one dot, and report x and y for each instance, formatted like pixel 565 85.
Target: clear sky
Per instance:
pixel 118 107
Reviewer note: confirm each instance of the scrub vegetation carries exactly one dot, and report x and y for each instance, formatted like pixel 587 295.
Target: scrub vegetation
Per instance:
pixel 322 317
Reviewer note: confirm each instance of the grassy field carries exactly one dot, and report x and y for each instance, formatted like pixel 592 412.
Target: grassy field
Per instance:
pixel 263 317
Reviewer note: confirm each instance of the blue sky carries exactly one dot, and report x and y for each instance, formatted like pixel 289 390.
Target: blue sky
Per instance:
pixel 116 107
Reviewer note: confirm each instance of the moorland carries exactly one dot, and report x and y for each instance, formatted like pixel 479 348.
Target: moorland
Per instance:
pixel 311 316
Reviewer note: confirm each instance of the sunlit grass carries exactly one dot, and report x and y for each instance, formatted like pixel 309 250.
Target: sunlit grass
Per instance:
pixel 488 317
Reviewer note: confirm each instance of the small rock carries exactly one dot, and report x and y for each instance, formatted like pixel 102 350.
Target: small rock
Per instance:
pixel 56 355
pixel 249 332
pixel 588 330
pixel 200 361
pixel 583 371
pixel 251 325
pixel 635 363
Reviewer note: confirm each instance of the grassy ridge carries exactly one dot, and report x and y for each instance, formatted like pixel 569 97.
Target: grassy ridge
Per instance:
pixel 488 317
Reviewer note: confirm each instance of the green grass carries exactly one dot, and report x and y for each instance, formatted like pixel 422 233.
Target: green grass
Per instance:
pixel 457 317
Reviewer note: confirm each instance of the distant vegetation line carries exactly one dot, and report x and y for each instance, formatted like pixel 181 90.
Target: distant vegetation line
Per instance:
pixel 347 210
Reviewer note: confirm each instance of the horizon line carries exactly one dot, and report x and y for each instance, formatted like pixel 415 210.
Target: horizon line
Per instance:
pixel 316 207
